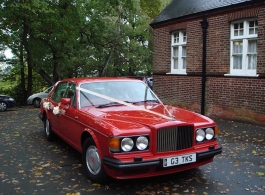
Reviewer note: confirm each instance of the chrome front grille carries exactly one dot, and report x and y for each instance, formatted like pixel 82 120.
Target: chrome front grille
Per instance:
pixel 173 139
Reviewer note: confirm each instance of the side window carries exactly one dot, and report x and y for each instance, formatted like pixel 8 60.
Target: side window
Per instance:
pixel 59 92
pixel 70 93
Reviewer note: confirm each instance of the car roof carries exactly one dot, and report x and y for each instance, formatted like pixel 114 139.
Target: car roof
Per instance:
pixel 79 81
pixel 142 78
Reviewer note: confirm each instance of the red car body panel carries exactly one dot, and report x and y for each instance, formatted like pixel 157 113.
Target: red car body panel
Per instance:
pixel 123 120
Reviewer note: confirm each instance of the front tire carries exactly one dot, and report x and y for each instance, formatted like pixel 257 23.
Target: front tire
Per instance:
pixel 3 106
pixel 48 132
pixel 92 162
pixel 36 102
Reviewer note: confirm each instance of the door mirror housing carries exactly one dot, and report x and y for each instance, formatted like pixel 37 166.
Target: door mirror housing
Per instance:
pixel 66 101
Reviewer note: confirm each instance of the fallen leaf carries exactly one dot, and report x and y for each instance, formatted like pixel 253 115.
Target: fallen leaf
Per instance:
pixel 260 174
pixel 96 184
pixel 38 174
pixel 46 165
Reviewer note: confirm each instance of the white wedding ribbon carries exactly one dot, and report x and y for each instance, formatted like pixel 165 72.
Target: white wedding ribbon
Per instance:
pixel 125 103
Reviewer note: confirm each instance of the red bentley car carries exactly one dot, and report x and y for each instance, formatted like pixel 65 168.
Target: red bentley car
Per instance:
pixel 124 131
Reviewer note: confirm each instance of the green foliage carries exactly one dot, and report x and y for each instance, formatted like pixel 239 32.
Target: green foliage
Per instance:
pixel 52 40
pixel 10 84
pixel 151 7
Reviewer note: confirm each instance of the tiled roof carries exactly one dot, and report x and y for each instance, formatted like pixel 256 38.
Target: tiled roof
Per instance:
pixel 180 8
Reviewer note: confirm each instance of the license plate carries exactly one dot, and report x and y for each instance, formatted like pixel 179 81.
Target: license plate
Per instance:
pixel 179 160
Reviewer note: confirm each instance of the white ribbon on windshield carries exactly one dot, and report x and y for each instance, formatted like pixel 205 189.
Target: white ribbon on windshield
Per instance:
pixel 125 103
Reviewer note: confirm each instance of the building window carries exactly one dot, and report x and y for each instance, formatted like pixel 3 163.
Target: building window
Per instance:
pixel 244 36
pixel 178 52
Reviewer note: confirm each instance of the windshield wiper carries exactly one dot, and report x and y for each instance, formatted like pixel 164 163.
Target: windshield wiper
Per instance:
pixel 108 104
pixel 144 101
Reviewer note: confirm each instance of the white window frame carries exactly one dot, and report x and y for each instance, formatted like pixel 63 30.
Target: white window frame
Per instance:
pixel 243 39
pixel 180 43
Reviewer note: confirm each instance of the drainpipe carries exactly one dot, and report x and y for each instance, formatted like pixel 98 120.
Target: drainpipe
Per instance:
pixel 204 25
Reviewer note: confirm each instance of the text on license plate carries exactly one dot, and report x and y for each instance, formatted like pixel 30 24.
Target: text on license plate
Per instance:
pixel 179 160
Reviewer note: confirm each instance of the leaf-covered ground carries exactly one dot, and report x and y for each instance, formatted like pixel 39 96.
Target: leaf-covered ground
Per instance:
pixel 29 164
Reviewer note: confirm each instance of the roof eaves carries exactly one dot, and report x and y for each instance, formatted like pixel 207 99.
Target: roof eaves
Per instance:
pixel 181 8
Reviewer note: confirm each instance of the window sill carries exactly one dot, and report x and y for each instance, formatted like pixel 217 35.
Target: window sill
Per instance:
pixel 240 75
pixel 176 73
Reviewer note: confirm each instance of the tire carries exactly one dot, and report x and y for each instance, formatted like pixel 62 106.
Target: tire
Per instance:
pixel 93 163
pixel 3 106
pixel 36 102
pixel 50 136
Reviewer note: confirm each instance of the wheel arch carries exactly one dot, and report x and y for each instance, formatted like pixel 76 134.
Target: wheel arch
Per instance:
pixel 44 116
pixel 36 98
pixel 4 102
pixel 87 134
pixel 90 134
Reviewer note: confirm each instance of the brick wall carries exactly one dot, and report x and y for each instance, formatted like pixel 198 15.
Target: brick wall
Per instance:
pixel 236 98
pixel 161 54
pixel 178 90
pixel 194 47
pixel 218 45
pixel 261 41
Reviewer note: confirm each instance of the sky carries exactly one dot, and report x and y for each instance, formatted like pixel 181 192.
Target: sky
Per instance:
pixel 8 53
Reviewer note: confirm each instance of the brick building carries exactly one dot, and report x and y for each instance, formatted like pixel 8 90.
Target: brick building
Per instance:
pixel 209 57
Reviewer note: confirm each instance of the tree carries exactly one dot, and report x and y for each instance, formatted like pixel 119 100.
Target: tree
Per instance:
pixel 151 7
pixel 78 38
pixel 118 35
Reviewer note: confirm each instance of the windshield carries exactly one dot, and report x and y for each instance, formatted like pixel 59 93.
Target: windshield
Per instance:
pixel 100 93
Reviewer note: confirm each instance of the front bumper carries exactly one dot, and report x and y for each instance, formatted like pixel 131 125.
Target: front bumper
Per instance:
pixel 138 164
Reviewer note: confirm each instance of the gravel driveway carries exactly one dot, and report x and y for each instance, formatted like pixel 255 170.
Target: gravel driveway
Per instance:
pixel 29 164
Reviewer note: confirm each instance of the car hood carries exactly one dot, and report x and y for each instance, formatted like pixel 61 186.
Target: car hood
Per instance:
pixel 152 116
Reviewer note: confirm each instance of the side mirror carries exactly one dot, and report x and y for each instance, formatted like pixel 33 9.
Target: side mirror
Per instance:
pixel 66 101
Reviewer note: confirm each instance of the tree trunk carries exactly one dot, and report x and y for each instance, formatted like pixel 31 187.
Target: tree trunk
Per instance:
pixel 103 73
pixel 22 74
pixel 46 77
pixel 29 55
pixel 56 68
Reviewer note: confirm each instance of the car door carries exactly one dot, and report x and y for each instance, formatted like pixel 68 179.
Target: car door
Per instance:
pixel 55 119
pixel 71 129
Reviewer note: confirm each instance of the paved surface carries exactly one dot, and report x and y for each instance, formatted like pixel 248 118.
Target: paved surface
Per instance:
pixel 31 165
